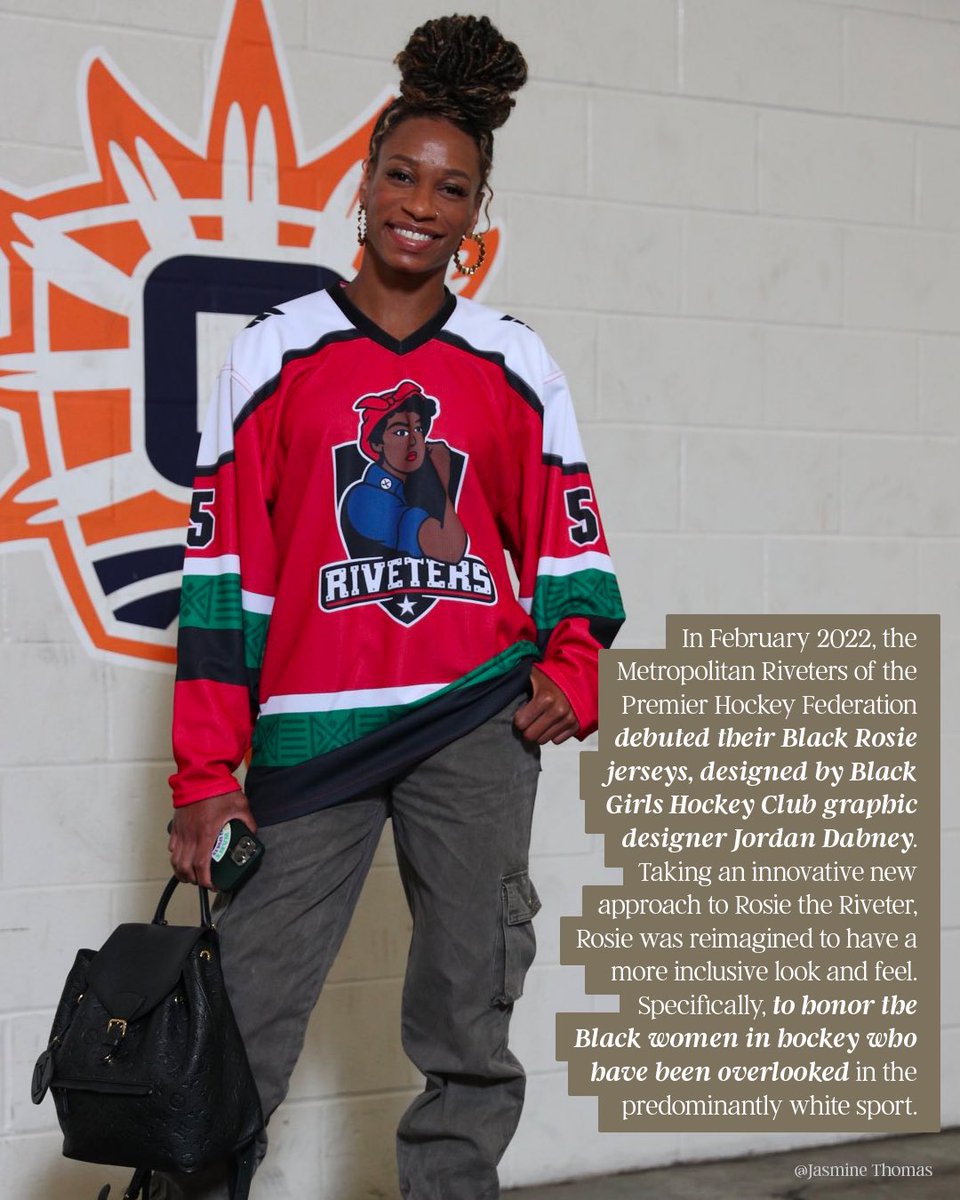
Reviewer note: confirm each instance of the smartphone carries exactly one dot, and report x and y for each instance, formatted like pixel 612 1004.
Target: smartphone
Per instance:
pixel 235 856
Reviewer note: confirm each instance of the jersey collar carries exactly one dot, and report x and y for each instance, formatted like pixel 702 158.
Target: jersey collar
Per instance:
pixel 362 323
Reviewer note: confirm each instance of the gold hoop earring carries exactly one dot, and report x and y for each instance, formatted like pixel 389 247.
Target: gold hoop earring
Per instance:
pixel 481 254
pixel 361 225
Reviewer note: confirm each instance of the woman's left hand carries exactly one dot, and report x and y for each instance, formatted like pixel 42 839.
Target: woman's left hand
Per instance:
pixel 547 715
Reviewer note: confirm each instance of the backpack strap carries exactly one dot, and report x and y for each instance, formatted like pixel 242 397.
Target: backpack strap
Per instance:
pixel 241 1170
pixel 240 1176
pixel 139 1183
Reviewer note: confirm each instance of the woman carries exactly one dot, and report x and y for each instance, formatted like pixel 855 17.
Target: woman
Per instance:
pixel 408 681
pixel 403 502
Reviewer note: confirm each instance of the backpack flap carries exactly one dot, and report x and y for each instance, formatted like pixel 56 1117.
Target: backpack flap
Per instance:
pixel 140 964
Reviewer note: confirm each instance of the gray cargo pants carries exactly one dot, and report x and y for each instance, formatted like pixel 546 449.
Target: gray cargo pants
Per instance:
pixel 461 825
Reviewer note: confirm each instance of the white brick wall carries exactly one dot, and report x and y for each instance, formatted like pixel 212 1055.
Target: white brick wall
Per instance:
pixel 853 170
pixel 902 67
pixel 938 178
pixel 776 52
pixel 737 225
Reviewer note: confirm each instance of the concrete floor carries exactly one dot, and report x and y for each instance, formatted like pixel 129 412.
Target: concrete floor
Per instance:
pixel 787 1176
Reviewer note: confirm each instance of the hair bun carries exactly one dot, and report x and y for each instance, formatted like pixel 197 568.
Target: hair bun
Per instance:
pixel 463 68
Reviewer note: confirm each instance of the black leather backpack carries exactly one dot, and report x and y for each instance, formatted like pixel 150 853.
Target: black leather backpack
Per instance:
pixel 145 1062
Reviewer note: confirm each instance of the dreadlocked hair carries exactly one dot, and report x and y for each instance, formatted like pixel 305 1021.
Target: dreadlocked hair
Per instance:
pixel 460 68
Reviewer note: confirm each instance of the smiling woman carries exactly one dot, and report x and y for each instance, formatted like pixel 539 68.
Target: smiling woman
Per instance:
pixel 431 152
pixel 422 436
pixel 421 198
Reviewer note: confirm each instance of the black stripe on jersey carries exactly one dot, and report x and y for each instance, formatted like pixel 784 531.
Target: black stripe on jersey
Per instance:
pixel 266 390
pixel 372 330
pixel 213 654
pixel 269 312
pixel 212 468
pixel 516 321
pixel 519 385
pixel 281 793
pixel 603 630
pixel 574 468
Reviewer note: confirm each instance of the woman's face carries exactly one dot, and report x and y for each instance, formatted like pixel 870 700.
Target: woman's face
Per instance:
pixel 422 195
pixel 404 445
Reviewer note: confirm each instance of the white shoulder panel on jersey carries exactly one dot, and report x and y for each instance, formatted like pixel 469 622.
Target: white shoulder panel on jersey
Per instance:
pixel 524 354
pixel 491 332
pixel 256 358
pixel 216 440
pixel 257 353
pixel 561 437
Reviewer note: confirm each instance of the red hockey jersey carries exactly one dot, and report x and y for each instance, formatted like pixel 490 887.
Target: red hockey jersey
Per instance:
pixel 320 624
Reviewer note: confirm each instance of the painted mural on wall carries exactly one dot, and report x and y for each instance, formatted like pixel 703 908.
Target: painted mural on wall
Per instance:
pixel 109 286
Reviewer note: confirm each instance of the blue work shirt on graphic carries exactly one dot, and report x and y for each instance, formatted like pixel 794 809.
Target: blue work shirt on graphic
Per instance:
pixel 378 510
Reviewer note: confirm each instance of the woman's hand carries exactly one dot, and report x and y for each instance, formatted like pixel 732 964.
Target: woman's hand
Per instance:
pixel 547 715
pixel 195 830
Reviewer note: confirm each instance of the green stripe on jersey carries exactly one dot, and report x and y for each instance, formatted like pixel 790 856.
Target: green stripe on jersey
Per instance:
pixel 255 626
pixel 214 602
pixel 211 601
pixel 589 593
pixel 286 739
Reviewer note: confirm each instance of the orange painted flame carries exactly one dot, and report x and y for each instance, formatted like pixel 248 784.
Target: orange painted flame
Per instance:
pixel 95 424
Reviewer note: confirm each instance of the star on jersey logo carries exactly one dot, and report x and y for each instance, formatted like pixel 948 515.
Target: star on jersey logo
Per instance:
pixel 113 287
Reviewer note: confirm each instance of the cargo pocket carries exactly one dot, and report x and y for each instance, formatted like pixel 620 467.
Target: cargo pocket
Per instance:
pixel 516 941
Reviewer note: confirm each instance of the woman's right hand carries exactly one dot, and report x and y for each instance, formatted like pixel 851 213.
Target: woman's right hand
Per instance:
pixel 195 830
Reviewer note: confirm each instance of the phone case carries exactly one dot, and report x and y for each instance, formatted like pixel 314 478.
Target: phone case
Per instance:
pixel 236 854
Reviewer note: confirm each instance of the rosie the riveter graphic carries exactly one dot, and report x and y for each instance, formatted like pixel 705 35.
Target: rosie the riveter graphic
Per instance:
pixel 397 495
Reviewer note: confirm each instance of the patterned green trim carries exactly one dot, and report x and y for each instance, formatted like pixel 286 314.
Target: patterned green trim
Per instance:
pixel 588 593
pixel 214 602
pixel 285 739
pixel 255 626
pixel 211 602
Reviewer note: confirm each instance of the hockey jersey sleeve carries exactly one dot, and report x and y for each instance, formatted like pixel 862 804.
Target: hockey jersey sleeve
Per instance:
pixel 226 596
pixel 566 576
